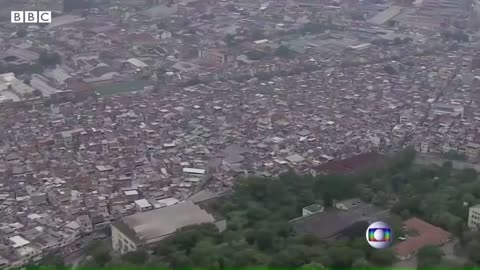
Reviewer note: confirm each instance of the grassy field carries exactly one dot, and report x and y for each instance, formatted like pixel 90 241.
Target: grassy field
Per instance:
pixel 124 87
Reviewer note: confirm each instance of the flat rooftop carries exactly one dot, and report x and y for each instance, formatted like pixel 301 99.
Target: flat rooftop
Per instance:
pixel 154 225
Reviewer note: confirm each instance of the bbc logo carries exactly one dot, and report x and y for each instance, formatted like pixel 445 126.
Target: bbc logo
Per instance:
pixel 31 17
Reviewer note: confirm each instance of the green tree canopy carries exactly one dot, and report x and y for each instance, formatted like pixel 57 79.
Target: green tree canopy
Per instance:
pixel 382 257
pixel 100 253
pixel 21 32
pixel 49 59
pixel 138 257
pixel 429 256
pixel 258 212
pixel 283 51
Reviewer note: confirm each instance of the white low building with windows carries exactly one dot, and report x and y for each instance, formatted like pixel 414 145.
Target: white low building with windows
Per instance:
pixel 474 217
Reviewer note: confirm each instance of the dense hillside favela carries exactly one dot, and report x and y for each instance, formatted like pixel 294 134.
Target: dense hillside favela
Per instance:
pixel 224 134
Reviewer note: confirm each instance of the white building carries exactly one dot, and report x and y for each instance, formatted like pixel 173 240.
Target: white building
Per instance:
pixel 424 147
pixel 312 209
pixel 447 109
pixel 143 205
pixel 193 171
pixel 166 35
pixel 132 232
pixel 137 63
pixel 13 89
pixel 474 217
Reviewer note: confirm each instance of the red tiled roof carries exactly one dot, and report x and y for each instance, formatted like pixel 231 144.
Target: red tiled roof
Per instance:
pixel 428 234
pixel 352 164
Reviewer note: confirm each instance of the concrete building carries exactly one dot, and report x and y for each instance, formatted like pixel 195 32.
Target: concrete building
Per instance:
pixel 212 56
pixel 85 223
pixel 143 205
pixel 474 217
pixel 13 89
pixel 472 150
pixel 132 232
pixel 447 109
pixel 312 209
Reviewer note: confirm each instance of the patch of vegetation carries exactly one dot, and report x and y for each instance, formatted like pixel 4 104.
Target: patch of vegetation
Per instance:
pixel 259 234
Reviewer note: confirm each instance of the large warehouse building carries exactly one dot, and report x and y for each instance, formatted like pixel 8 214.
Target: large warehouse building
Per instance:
pixel 132 232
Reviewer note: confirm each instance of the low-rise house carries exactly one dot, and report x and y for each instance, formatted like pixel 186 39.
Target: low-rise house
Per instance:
pixel 143 205
pixel 447 109
pixel 472 150
pixel 312 209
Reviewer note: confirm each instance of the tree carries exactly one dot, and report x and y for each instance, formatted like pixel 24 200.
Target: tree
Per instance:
pixel 313 266
pixel 205 255
pixel 458 36
pixel 52 261
pixel 106 55
pixel 445 170
pixel 259 210
pixel 429 256
pixel 402 160
pixel 472 250
pixel 262 238
pixel 327 199
pixel 156 262
pixel 229 39
pixel 283 51
pixel 357 15
pixel 179 259
pixel 380 42
pixel 257 34
pixel 22 32
pixel 49 59
pixel 312 28
pixel 250 257
pixel 295 255
pixel 255 54
pixel 99 252
pixel 360 263
pixel 453 155
pixel 390 70
pixel 101 257
pixel 36 68
pixel 467 175
pixel 137 257
pixel 341 256
pixel 37 93
pixel 383 257
pixel 192 81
